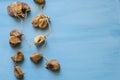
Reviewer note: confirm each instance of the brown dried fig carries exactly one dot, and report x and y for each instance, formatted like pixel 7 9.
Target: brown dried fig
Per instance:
pixel 15 37
pixel 14 40
pixel 40 1
pixel 18 57
pixel 18 72
pixel 39 39
pixel 35 57
pixel 40 21
pixel 18 9
pixel 16 33
pixel 53 65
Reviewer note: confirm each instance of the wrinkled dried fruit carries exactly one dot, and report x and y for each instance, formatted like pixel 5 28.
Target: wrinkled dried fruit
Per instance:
pixel 35 57
pixel 18 9
pixel 14 40
pixel 40 21
pixel 40 1
pixel 53 65
pixel 18 72
pixel 16 33
pixel 18 57
pixel 39 39
pixel 15 37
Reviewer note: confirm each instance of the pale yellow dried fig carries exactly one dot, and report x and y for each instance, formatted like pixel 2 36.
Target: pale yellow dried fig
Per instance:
pixel 39 39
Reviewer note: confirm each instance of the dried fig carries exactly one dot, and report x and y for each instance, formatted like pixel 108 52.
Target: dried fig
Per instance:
pixel 18 9
pixel 40 1
pixel 18 57
pixel 35 57
pixel 53 65
pixel 14 40
pixel 15 37
pixel 18 72
pixel 40 21
pixel 39 39
pixel 16 33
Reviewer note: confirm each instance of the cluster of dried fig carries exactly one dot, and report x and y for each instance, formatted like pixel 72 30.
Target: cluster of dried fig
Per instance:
pixel 18 9
pixel 15 37
pixel 50 64
pixel 18 57
pixel 40 21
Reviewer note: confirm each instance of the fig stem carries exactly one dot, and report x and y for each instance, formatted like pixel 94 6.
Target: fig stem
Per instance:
pixel 45 58
pixel 21 20
pixel 50 30
pixel 25 38
pixel 29 46
pixel 43 45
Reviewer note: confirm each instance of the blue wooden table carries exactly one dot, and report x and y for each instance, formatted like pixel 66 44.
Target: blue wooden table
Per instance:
pixel 85 39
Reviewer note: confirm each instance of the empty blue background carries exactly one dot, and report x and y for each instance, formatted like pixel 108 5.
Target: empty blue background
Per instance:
pixel 85 39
